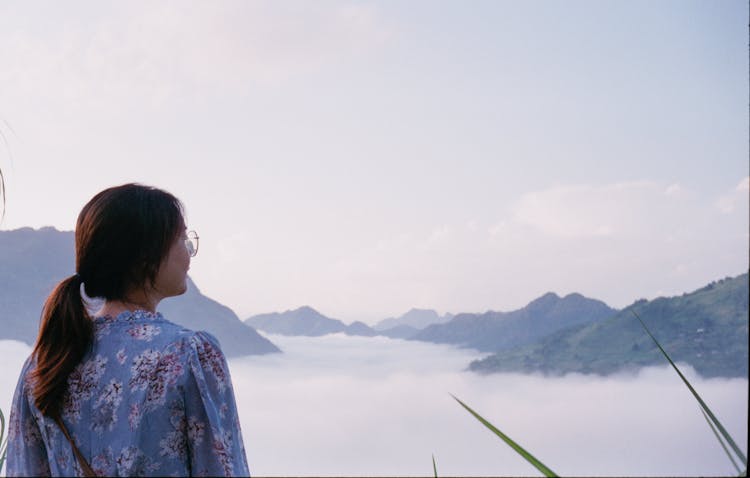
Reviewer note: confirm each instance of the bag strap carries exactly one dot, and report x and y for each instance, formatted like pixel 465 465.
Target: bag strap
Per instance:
pixel 88 472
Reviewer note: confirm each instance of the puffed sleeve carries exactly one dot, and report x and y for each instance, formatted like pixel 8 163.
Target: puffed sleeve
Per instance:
pixel 215 444
pixel 26 453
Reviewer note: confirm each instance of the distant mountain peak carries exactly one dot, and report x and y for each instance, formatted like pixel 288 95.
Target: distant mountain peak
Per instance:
pixel 545 301
pixel 493 331
pixel 305 310
pixel 308 313
pixel 415 317
pixel 305 321
pixel 417 310
pixel 34 260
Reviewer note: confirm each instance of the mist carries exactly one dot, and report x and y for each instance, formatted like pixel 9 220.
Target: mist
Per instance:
pixel 341 405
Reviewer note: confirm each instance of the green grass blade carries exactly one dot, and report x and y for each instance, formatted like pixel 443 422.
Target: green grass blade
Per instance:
pixel 703 405
pixel 434 467
pixel 2 458
pixel 528 456
pixel 716 434
pixel 3 440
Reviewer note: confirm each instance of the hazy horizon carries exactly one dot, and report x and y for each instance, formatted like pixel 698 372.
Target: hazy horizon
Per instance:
pixel 374 320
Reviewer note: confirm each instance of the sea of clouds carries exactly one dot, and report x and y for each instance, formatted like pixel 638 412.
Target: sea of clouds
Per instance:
pixel 340 405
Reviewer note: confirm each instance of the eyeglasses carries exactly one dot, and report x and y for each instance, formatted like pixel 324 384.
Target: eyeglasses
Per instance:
pixel 191 243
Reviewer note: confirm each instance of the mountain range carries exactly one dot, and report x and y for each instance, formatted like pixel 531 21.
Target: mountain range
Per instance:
pixel 415 319
pixel 707 328
pixel 34 261
pixel 495 331
pixel 308 322
pixel 305 321
pixel 491 331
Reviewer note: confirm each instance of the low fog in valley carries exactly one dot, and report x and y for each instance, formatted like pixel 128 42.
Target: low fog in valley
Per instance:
pixel 341 405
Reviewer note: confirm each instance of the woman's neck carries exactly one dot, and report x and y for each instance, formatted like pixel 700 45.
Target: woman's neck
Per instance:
pixel 133 302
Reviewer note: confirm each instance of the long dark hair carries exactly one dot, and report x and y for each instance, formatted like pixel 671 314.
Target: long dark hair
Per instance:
pixel 122 235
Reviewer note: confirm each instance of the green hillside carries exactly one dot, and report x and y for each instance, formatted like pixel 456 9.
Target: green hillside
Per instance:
pixel 707 328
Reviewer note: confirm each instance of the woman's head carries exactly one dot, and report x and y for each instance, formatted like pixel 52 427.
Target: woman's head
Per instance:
pixel 124 235
pixel 130 239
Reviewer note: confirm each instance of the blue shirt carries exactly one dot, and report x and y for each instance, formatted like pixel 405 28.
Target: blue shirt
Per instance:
pixel 149 398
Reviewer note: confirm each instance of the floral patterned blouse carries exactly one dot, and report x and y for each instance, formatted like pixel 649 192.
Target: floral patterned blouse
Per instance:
pixel 150 398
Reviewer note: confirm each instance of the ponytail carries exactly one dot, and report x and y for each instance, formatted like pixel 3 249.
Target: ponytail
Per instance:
pixel 65 334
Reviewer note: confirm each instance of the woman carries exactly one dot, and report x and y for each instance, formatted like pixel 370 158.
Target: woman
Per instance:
pixel 124 392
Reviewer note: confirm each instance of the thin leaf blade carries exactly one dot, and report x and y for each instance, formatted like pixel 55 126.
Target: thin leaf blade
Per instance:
pixel 721 442
pixel 3 440
pixel 515 446
pixel 703 405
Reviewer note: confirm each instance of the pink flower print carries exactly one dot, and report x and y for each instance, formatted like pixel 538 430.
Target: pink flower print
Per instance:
pixel 102 462
pixel 121 356
pixel 174 445
pixel 104 414
pixel 195 430
pixel 103 326
pixel 143 365
pixel 144 332
pixel 168 369
pixel 213 360
pixel 222 448
pixel 133 462
pixel 81 383
pixel 62 460
pixel 177 414
pixel 101 330
pixel 134 417
pixel 14 427
pixel 171 368
pixel 31 435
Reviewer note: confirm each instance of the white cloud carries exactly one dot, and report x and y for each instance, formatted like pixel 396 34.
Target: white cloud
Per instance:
pixel 673 190
pixel 339 405
pixel 148 53
pixel 497 229
pixel 743 185
pixel 586 210
pixel 738 196
pixel 393 243
pixel 439 234
pixel 616 242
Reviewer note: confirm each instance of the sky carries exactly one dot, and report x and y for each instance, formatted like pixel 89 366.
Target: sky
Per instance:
pixel 357 406
pixel 364 158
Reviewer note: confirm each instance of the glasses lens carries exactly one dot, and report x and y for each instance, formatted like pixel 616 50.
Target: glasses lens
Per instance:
pixel 191 243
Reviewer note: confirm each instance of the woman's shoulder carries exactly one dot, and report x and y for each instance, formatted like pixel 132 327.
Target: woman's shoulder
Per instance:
pixel 24 378
pixel 195 339
pixel 199 343
pixel 152 331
